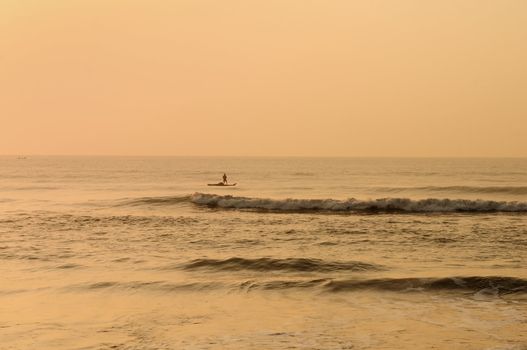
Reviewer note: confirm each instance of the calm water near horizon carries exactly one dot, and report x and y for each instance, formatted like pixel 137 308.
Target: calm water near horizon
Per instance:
pixel 304 253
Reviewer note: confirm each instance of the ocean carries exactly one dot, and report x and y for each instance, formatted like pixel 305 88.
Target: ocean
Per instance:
pixel 304 253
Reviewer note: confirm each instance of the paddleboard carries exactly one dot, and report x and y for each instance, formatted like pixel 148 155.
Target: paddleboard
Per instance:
pixel 221 184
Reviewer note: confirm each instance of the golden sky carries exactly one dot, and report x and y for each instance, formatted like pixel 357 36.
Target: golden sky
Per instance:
pixel 269 77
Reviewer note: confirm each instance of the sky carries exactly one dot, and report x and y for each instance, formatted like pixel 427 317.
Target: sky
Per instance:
pixel 264 78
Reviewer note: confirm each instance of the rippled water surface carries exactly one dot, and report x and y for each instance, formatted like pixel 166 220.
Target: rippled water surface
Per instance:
pixel 139 253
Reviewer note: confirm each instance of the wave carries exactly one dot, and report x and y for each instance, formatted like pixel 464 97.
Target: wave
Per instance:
pixel 489 284
pixel 155 286
pixel 50 222
pixel 166 200
pixel 406 205
pixel 270 264
pixel 481 285
pixel 473 284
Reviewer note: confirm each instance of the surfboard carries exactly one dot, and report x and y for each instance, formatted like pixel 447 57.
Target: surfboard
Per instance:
pixel 221 184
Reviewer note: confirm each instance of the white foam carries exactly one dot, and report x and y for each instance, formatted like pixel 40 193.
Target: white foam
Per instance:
pixel 350 205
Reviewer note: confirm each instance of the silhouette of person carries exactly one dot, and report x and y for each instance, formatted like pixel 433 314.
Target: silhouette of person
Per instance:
pixel 224 178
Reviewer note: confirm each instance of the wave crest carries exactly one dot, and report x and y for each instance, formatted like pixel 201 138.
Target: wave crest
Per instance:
pixel 167 200
pixel 479 285
pixel 489 285
pixel 430 205
pixel 270 264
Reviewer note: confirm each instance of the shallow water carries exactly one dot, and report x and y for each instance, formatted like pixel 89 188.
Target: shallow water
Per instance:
pixel 138 253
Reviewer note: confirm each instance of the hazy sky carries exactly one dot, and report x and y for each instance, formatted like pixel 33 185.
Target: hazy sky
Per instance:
pixel 269 77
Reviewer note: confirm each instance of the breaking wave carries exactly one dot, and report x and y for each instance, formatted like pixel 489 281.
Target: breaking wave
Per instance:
pixel 270 264
pixel 488 285
pixel 431 205
pixel 481 285
pixel 474 284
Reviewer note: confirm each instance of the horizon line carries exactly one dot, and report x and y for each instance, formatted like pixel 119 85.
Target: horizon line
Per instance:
pixel 248 156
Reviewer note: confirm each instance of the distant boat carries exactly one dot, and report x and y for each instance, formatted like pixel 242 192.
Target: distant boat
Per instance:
pixel 222 184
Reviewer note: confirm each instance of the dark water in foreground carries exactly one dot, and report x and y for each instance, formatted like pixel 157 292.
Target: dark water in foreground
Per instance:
pixel 138 253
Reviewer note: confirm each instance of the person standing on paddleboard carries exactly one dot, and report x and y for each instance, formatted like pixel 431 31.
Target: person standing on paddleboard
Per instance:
pixel 224 178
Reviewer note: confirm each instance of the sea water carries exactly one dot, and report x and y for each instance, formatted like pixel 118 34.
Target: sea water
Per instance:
pixel 304 253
